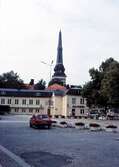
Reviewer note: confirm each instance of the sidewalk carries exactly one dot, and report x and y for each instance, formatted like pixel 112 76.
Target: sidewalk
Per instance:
pixel 9 159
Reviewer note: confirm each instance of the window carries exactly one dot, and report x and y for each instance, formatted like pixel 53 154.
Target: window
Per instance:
pixel 50 102
pixel 81 101
pixel 37 110
pixel 37 102
pixel 2 101
pixel 24 101
pixel 16 101
pixel 23 110
pixel 3 93
pixel 41 107
pixel 16 110
pixel 30 110
pixel 9 101
pixel 82 111
pixel 30 101
pixel 73 100
pixel 73 112
pixel 38 94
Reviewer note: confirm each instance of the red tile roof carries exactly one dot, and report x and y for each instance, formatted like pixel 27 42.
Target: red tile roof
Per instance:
pixel 56 87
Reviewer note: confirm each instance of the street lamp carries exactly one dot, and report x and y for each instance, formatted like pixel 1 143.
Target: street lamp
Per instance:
pixel 50 65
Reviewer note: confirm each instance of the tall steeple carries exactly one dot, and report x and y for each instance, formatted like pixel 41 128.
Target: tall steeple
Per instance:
pixel 59 49
pixel 59 70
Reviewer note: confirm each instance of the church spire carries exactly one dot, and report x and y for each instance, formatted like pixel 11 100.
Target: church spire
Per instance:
pixel 59 70
pixel 59 49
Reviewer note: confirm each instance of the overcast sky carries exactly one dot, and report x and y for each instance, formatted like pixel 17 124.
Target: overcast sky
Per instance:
pixel 29 34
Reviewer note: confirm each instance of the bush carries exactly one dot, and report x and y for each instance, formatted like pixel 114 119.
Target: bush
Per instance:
pixel 54 121
pixel 94 125
pixel 111 126
pixel 79 124
pixel 85 117
pixel 80 117
pixel 63 123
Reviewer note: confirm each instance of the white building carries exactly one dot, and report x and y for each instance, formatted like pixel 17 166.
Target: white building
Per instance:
pixel 57 102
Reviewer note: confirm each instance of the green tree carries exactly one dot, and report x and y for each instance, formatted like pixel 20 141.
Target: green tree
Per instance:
pixel 31 82
pixel 91 90
pixel 110 84
pixel 105 65
pixel 11 80
pixel 87 91
pixel 103 89
pixel 41 85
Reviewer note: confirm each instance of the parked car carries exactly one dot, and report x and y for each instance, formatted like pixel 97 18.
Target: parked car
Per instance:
pixel 40 121
pixel 93 114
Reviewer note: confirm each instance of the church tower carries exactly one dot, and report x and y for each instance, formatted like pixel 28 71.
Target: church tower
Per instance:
pixel 59 76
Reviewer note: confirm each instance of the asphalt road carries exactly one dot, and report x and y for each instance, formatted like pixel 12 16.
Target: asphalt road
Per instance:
pixel 57 147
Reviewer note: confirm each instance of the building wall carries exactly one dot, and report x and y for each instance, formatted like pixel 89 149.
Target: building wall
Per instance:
pixel 57 109
pixel 26 104
pixel 76 106
pixel 64 106
pixel 67 105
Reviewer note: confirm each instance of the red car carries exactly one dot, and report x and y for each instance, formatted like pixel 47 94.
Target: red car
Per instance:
pixel 40 121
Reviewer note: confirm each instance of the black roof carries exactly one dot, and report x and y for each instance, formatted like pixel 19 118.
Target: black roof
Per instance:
pixel 25 93
pixel 74 92
pixel 38 93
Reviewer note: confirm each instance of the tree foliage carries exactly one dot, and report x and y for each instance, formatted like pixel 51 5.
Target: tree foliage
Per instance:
pixel 103 88
pixel 110 84
pixel 11 80
pixel 41 85
pixel 31 82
